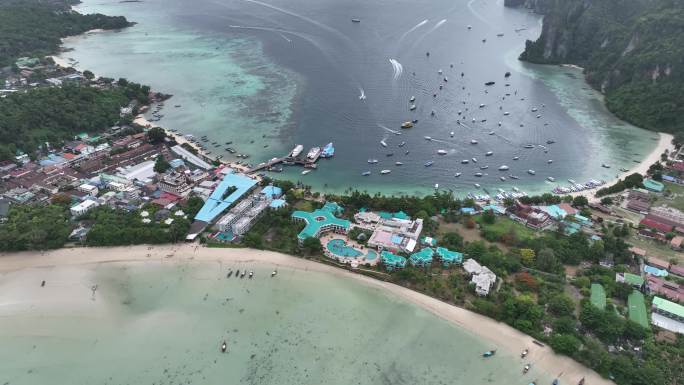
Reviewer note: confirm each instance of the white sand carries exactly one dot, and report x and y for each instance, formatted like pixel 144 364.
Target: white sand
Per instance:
pixel 664 144
pixel 488 329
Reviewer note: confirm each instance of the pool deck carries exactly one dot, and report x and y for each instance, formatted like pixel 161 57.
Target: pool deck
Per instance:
pixel 361 260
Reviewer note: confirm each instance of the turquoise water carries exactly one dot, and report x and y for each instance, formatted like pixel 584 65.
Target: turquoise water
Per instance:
pixel 337 247
pixel 371 255
pixel 266 75
pixel 163 324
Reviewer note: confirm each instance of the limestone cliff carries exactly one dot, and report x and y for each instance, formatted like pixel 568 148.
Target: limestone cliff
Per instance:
pixel 632 50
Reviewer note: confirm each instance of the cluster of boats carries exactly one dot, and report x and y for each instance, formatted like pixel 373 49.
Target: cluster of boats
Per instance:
pixel 528 366
pixel 577 187
pixel 156 116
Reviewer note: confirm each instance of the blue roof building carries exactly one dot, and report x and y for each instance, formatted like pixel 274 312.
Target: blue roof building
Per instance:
pixel 218 202
pixel 449 257
pixel 277 203
pixel 272 192
pixel 321 221
pixel 652 185
pixel 422 258
pixel 467 210
pixel 392 261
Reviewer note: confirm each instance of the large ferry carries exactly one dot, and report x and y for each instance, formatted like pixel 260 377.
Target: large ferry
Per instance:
pixel 328 151
pixel 297 150
pixel 313 153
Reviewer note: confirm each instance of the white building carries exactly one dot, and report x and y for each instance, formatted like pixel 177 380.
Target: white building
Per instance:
pixel 482 277
pixel 83 207
pixel 88 189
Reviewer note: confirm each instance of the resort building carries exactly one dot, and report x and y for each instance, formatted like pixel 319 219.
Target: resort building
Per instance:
pixel 449 257
pixel 83 207
pixel 392 261
pixel 667 315
pixel 481 276
pixel 175 183
pixel 530 216
pixel 396 234
pixel 422 258
pixel 321 221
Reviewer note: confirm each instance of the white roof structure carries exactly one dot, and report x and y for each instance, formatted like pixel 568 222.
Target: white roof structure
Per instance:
pixel 483 278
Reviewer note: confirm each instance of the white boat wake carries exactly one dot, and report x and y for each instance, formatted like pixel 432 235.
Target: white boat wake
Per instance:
pixel 477 14
pixel 397 67
pixel 415 27
pixel 389 130
pixel 433 29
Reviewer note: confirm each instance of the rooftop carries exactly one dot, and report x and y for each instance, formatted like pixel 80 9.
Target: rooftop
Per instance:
pixel 216 203
pixel 320 218
pixel 423 257
pixel 668 306
pixel 392 260
pixel 447 255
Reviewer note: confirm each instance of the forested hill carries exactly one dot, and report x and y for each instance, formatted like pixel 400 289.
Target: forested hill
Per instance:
pixel 632 51
pixel 35 27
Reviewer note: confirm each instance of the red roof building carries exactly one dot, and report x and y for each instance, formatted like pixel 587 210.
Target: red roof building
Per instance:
pixel 655 225
pixel 665 288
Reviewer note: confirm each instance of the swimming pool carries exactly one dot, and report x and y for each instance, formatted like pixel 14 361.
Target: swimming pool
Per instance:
pixel 371 255
pixel 338 248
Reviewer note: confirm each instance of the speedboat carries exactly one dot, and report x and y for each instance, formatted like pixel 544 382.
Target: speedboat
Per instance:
pixel 477 185
pixel 442 152
pixel 478 174
pixel 457 174
pixel 427 138
pixel 465 161
pixel 605 165
pixel 407 125
pixel 451 134
pixel 224 347
pixel 372 161
pixel 503 167
pixel 524 353
pixel 516 157
pixel 402 144
pixel 398 163
pixel 531 172
pixel 389 154
pixel 550 141
pixel 506 113
pixel 551 179
pixel 439 71
pixel 366 173
pixel 526 368
pixel 356 20
pixel 549 161
pixel 513 177
pixel 489 353
pixel 474 160
pixel 429 163
pixel 383 172
pixel 413 107
pixel 503 178
pixel 490 83
pixel 473 141
pixel 413 99
pixel 489 153
pixel 436 186
pixel 484 167
pixel 306 172
pixel 383 143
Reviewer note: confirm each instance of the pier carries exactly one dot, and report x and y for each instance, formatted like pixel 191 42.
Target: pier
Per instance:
pixel 307 160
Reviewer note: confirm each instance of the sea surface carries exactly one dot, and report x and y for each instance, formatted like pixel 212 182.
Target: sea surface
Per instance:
pixel 267 75
pixel 164 324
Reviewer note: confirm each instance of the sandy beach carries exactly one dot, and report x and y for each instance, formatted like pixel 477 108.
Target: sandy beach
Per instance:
pixel 664 144
pixel 503 335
